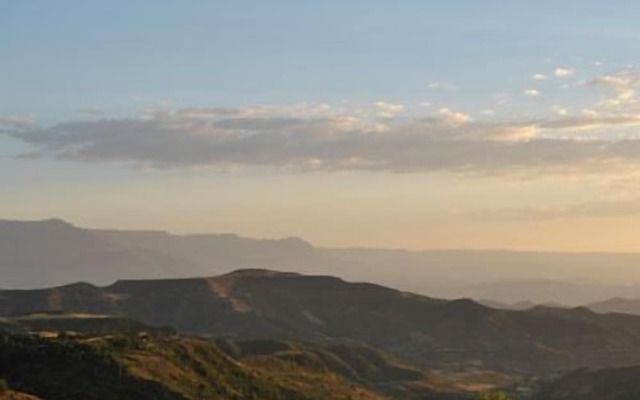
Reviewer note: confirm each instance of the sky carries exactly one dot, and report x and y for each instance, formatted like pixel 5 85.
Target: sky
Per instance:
pixel 398 124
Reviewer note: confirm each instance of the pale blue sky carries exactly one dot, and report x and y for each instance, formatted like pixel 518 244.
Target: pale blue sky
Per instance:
pixel 100 97
pixel 58 56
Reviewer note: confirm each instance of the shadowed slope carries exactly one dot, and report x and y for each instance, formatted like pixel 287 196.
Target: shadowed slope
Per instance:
pixel 265 304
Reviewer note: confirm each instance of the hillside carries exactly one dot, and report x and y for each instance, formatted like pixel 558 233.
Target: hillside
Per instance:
pixel 605 384
pixel 131 366
pixel 256 304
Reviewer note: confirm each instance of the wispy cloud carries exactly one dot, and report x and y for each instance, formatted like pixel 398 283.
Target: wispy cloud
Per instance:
pixel 384 136
pixel 532 92
pixel 562 72
pixel 559 110
pixel 455 118
pixel 16 122
pixel 624 83
pixel 447 141
pixel 388 110
pixel 441 85
pixel 595 209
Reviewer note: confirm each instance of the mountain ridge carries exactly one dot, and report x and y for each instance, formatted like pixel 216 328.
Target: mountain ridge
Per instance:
pixel 258 303
pixel 52 252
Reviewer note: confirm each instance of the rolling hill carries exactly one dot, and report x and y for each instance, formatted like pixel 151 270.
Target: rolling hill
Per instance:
pixel 161 366
pixel 258 304
pixel 601 384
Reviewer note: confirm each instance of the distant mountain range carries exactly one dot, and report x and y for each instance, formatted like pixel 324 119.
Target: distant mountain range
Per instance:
pixel 53 252
pixel 617 305
pixel 255 304
pixel 285 334
pixel 527 293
